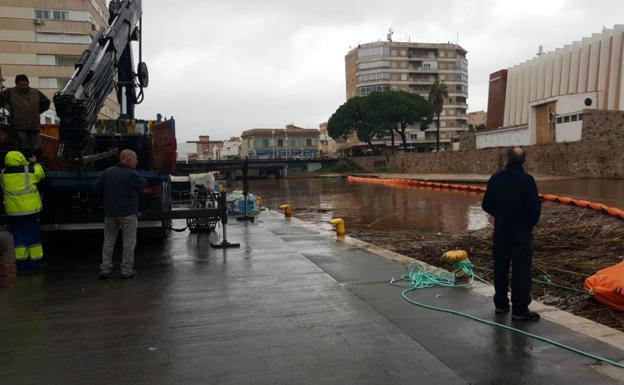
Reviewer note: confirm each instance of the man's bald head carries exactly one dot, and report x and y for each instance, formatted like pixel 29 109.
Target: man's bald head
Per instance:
pixel 516 155
pixel 129 158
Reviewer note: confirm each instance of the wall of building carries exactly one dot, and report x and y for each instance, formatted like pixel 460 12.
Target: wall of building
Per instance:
pixel 599 125
pixel 496 100
pixel 515 136
pixel 595 159
pixel 600 153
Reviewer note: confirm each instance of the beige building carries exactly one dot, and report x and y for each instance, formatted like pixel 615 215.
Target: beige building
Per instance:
pixel 328 148
pixel 477 119
pixel 278 143
pixel 545 96
pixel 413 67
pixel 45 38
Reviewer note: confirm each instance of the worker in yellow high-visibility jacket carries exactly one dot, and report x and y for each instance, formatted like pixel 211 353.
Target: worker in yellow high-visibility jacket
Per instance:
pixel 22 202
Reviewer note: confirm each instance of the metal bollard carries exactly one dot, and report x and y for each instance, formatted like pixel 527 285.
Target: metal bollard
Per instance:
pixel 287 210
pixel 224 220
pixel 341 229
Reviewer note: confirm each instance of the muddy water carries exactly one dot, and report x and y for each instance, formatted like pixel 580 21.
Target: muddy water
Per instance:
pixel 607 191
pixel 379 207
pixel 375 207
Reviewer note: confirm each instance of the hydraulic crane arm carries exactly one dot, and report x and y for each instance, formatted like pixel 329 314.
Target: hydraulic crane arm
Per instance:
pixel 109 54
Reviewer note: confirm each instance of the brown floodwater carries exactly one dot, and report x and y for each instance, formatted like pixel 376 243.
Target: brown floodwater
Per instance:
pixel 381 207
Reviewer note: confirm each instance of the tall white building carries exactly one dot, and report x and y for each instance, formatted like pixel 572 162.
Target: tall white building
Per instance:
pixel 545 96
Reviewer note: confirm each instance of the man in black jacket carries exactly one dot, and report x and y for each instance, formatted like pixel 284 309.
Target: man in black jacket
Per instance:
pixel 512 199
pixel 120 187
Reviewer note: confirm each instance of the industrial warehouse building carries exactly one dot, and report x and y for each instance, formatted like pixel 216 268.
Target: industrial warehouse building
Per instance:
pixel 541 101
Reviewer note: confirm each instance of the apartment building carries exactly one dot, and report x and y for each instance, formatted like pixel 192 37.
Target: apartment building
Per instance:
pixel 279 143
pixel 413 67
pixel 44 39
pixel 541 100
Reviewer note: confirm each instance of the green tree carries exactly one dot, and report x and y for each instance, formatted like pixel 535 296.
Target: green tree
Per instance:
pixel 395 111
pixel 438 92
pixel 354 115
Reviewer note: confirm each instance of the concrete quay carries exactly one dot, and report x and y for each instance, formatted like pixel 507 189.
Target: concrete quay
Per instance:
pixel 292 306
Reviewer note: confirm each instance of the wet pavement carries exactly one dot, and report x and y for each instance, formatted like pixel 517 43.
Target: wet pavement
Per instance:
pixel 291 306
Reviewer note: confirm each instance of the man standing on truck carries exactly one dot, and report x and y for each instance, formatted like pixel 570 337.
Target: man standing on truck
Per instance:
pixel 25 104
pixel 22 204
pixel 120 187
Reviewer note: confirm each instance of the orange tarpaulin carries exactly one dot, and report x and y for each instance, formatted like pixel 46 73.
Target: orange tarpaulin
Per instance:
pixel 607 286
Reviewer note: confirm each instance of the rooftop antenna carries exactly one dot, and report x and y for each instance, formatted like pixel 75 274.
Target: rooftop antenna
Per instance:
pixel 389 35
pixel 540 51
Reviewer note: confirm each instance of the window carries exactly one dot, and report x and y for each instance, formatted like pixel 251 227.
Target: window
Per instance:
pixel 46 60
pixel 63 38
pixel 377 51
pixel 309 142
pixel 48 14
pixel 374 64
pixel 573 118
pixel 377 88
pixel 48 120
pixel 373 77
pixel 295 142
pixel 48 83
pixel 67 61
pixel 566 119
pixel 559 120
pixel 43 14
pixel 60 15
pixel 580 116
pixel 280 143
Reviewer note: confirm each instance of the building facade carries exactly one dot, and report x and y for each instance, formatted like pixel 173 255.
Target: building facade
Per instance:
pixel 477 120
pixel 413 67
pixel 279 143
pixel 231 148
pixel 545 96
pixel 44 39
pixel 328 148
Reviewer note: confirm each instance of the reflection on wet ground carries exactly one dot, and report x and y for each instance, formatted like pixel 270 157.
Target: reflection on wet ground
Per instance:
pixel 379 207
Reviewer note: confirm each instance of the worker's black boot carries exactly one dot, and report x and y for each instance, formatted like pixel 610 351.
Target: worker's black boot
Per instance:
pixel 525 316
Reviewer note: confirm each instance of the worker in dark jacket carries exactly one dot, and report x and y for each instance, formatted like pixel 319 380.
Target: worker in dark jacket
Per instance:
pixel 120 187
pixel 512 199
pixel 25 104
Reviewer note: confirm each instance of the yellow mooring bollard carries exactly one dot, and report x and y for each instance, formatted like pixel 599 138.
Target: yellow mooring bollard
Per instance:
pixel 287 210
pixel 341 230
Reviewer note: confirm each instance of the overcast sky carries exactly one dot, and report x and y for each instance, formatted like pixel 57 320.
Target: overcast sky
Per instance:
pixel 221 67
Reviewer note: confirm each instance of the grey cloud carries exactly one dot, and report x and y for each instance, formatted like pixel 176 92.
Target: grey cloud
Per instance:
pixel 221 67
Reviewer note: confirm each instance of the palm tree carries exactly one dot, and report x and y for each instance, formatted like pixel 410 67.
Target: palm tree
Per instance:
pixel 438 92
